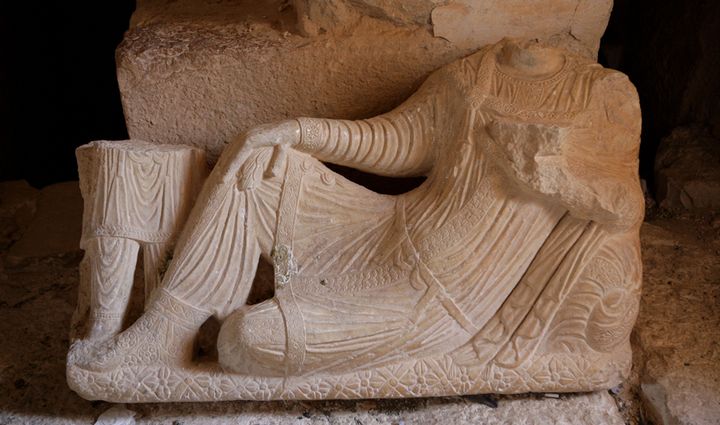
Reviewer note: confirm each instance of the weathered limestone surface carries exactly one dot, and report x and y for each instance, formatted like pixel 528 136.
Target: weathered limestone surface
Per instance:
pixel 467 23
pixel 340 15
pixel 203 85
pixel 687 175
pixel 513 268
pixel 160 183
pixel 478 22
pixel 200 73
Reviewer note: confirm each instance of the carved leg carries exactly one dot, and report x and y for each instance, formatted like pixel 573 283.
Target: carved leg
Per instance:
pixel 155 257
pixel 357 229
pixel 164 335
pixel 111 267
pixel 211 273
pixel 253 341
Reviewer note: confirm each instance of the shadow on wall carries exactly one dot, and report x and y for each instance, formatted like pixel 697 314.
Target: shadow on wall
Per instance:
pixel 57 84
pixel 670 52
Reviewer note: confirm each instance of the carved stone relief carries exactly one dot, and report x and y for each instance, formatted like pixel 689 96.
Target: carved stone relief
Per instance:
pixel 514 267
pixel 136 197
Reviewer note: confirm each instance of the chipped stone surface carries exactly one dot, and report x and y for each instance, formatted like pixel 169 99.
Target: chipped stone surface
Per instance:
pixel 203 85
pixel 338 15
pixel 476 23
pixel 677 337
pixel 117 415
pixel 469 23
pixel 275 13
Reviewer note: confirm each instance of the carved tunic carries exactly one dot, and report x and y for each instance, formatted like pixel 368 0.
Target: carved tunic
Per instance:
pixel 514 267
pixel 137 190
pixel 436 264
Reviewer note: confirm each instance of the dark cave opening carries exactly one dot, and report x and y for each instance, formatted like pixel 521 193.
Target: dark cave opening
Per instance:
pixel 58 86
pixel 669 51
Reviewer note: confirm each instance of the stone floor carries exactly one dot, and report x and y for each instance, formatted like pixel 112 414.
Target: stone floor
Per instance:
pixel 677 336
pixel 675 379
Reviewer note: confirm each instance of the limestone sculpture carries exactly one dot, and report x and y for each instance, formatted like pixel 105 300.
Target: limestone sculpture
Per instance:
pixel 136 195
pixel 514 267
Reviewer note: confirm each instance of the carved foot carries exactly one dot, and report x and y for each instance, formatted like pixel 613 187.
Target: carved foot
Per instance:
pixel 164 335
pixel 104 326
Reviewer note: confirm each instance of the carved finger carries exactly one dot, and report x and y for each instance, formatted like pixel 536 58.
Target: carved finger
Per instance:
pixel 234 164
pixel 277 160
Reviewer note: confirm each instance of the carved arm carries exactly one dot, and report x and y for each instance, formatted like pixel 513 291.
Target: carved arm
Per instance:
pixel 398 143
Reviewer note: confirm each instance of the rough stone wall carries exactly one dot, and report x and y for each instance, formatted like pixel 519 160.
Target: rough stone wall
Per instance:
pixel 205 84
pixel 316 17
pixel 468 23
pixel 201 72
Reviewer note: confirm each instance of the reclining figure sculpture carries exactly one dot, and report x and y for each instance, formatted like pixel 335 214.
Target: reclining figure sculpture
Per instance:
pixel 514 267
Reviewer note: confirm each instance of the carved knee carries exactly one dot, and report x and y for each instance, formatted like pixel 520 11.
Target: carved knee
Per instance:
pixel 252 340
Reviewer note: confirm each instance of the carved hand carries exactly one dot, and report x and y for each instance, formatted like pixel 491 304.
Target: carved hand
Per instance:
pixel 279 135
pixel 275 134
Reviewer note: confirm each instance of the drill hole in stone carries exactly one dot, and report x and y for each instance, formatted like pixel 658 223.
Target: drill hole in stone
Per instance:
pixel 206 343
pixel 263 287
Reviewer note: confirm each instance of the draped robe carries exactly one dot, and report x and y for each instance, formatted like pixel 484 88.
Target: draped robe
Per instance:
pixel 515 186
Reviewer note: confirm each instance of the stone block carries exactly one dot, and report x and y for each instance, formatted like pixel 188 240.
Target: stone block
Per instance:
pixel 339 15
pixel 469 23
pixel 200 73
pixel 478 22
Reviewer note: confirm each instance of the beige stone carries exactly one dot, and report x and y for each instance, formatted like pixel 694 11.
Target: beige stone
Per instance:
pixel 481 22
pixel 39 302
pixel 137 197
pixel 341 15
pixel 580 409
pixel 514 267
pixel 468 23
pixel 275 13
pixel 200 72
